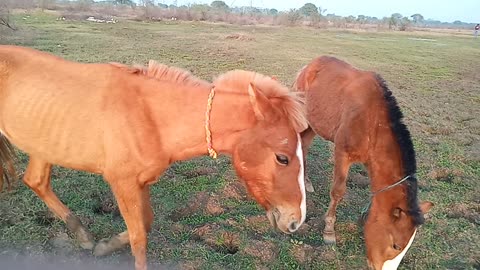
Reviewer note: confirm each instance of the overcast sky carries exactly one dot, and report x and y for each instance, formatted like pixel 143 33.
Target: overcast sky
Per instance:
pixel 444 10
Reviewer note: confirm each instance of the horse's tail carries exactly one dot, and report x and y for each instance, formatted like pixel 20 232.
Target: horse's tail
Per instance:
pixel 7 163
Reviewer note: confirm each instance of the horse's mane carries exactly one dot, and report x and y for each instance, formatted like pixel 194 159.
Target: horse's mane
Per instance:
pixel 292 103
pixel 405 143
pixel 164 73
pixel 237 80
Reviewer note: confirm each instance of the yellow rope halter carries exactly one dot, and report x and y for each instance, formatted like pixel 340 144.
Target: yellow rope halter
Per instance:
pixel 210 149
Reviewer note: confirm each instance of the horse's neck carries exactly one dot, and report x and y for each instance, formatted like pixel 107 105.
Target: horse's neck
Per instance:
pixel 184 121
pixel 385 164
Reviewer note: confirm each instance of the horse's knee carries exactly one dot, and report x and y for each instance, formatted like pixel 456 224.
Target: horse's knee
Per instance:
pixel 35 183
pixel 337 193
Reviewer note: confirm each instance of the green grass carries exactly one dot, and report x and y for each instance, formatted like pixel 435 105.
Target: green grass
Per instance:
pixel 436 82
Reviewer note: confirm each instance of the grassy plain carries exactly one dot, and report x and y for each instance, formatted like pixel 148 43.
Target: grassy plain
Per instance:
pixel 203 219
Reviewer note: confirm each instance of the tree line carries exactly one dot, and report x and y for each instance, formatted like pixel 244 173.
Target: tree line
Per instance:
pixel 309 14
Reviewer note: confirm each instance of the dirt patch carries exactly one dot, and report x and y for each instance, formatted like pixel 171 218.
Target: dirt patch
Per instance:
pixel 263 250
pixel 316 224
pixel 219 240
pixel 302 253
pixel 62 242
pixel 259 224
pixel 240 37
pixel 199 172
pixel 44 218
pixel 466 211
pixel 213 207
pixel 445 175
pixel 191 265
pixel 347 232
pixel 106 205
pixel 359 180
pixel 305 229
pixel 324 253
pixel 473 152
pixel 196 204
pixel 234 190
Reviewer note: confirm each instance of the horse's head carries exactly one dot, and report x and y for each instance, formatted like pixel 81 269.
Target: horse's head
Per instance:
pixel 268 156
pixel 389 233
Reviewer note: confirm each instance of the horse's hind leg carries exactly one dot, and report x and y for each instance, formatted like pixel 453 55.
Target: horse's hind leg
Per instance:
pixel 37 177
pixel 307 137
pixel 342 165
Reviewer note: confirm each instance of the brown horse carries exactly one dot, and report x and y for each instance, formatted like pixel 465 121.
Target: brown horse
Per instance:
pixel 356 111
pixel 130 123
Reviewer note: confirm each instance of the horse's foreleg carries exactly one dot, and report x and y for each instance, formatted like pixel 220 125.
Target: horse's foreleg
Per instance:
pixel 307 138
pixel 342 165
pixel 134 202
pixel 109 245
pixel 37 177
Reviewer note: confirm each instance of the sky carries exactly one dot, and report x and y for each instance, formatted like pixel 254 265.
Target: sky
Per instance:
pixel 443 10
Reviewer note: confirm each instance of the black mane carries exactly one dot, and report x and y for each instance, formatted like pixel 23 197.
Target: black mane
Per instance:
pixel 405 143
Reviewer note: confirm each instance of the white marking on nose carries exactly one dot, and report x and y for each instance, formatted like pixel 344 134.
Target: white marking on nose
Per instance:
pixel 395 262
pixel 284 141
pixel 301 181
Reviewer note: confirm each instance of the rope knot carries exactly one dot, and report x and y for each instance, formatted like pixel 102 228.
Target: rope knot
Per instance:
pixel 211 152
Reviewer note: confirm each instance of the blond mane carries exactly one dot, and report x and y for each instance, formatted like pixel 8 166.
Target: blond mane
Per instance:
pixel 292 103
pixel 163 72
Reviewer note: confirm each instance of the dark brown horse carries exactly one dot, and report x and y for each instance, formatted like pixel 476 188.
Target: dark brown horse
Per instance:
pixel 130 123
pixel 356 111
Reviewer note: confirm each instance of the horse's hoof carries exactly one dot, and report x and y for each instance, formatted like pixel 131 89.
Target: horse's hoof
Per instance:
pixel 309 185
pixel 87 245
pixel 102 248
pixel 329 238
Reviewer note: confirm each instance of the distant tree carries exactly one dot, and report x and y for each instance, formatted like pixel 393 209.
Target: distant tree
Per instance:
pixel 321 11
pixel 395 20
pixel 309 10
pixel 350 19
pixel 457 22
pixel 417 18
pixel 404 24
pixel 294 16
pixel 361 19
pixel 254 11
pixel 272 12
pixel 161 5
pixel 201 9
pixel 220 5
pixel 124 2
pixel 147 3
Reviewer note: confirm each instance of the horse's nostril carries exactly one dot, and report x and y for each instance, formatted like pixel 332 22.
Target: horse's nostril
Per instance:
pixel 293 226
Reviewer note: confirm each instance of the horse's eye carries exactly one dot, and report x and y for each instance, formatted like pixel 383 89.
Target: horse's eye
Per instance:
pixel 282 159
pixel 396 247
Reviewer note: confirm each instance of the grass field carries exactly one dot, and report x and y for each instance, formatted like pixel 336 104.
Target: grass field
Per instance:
pixel 203 218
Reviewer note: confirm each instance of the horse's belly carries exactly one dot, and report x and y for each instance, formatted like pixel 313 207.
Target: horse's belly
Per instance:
pixel 60 132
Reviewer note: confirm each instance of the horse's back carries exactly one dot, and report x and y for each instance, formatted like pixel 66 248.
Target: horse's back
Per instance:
pixel 339 96
pixel 51 107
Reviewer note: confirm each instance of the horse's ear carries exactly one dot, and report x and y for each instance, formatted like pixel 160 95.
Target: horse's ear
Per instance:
pixel 261 104
pixel 397 212
pixel 426 206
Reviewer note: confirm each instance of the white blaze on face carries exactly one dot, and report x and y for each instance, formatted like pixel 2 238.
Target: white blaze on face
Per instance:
pixel 395 262
pixel 301 180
